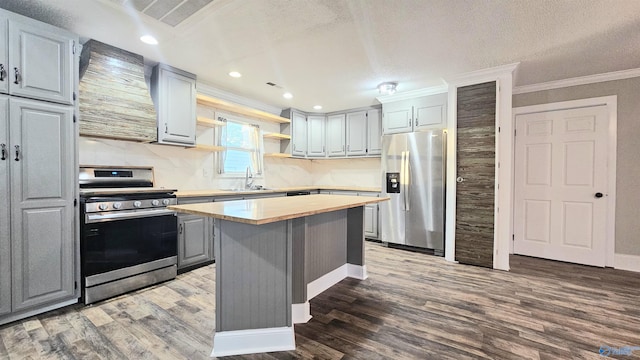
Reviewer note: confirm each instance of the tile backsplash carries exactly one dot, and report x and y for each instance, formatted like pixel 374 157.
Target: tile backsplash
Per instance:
pixel 188 169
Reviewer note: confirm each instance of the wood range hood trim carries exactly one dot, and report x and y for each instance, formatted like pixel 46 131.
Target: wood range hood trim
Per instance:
pixel 114 98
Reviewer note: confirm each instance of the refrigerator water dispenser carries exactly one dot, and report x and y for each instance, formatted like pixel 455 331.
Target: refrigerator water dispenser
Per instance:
pixel 393 183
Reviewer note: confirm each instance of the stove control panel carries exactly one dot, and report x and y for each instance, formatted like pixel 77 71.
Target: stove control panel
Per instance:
pixel 92 207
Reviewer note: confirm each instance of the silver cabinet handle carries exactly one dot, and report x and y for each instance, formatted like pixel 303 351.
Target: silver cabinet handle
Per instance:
pixel 17 152
pixel 2 72
pixel 3 147
pixel 459 179
pixel 166 128
pixel 17 76
pixel 180 228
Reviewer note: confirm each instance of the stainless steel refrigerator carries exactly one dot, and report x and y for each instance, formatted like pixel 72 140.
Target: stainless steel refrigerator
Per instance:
pixel 413 171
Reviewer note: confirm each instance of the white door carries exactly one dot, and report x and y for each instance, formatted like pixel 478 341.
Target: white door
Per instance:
pixel 561 185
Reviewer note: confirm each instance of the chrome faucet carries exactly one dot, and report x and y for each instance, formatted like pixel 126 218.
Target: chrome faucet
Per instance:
pixel 248 179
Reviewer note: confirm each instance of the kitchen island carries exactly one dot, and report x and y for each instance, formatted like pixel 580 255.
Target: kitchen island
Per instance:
pixel 272 256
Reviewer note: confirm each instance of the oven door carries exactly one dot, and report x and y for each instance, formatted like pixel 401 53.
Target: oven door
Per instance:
pixel 117 241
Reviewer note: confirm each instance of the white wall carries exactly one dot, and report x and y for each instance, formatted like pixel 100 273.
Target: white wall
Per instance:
pixel 188 169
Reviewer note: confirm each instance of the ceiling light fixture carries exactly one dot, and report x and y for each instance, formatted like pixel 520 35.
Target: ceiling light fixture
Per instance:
pixel 235 74
pixel 148 39
pixel 318 107
pixel 387 88
pixel 287 95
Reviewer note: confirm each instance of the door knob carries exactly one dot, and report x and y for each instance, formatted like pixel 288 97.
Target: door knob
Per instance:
pixel 599 195
pixel 459 179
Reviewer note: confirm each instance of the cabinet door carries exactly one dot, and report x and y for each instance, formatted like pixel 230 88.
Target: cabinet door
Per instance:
pixel 397 117
pixel 176 106
pixel 5 243
pixel 4 55
pixel 374 126
pixel 194 240
pixel 315 136
pixel 299 134
pixel 430 112
pixel 371 221
pixel 40 62
pixel 42 192
pixel 357 133
pixel 335 135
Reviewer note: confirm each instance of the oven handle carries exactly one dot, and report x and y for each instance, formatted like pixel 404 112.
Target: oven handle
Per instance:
pixel 125 215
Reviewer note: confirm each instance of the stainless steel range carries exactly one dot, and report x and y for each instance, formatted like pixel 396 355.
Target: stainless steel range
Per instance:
pixel 128 236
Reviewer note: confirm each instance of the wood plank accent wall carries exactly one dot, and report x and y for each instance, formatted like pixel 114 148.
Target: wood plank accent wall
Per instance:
pixel 114 100
pixel 475 196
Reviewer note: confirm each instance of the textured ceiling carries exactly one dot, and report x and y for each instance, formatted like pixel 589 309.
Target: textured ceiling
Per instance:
pixel 334 53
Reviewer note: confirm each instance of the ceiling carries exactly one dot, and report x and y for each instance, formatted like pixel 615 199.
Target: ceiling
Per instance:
pixel 334 52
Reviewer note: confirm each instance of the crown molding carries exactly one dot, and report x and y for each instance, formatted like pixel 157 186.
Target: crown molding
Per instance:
pixel 478 76
pixel 214 92
pixel 580 80
pixel 413 94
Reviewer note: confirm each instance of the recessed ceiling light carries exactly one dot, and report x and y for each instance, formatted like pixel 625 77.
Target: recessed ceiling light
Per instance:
pixel 287 95
pixel 148 39
pixel 318 107
pixel 235 74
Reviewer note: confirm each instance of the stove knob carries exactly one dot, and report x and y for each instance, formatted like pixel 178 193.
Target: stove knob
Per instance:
pixel 103 207
pixel 165 202
pixel 117 205
pixel 137 204
pixel 155 202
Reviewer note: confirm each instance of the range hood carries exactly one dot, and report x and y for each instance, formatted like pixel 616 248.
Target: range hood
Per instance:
pixel 114 99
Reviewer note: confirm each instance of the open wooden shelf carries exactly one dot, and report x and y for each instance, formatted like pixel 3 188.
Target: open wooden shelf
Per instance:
pixel 203 147
pixel 239 109
pixel 277 155
pixel 203 121
pixel 276 136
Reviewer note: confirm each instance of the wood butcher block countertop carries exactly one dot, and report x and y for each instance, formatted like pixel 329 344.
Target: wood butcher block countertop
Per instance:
pixel 268 210
pixel 220 192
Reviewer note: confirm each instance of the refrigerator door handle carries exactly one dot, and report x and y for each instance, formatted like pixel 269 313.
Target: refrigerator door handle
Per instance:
pixel 407 183
pixel 403 180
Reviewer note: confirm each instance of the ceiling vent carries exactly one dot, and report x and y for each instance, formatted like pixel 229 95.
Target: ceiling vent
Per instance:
pixel 170 12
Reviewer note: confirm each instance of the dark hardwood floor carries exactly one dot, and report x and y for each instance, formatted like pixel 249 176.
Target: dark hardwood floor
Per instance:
pixel 412 306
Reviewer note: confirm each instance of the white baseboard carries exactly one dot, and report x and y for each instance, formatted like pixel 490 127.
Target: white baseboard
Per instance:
pixel 326 281
pixel 238 342
pixel 627 262
pixel 300 313
pixel 357 271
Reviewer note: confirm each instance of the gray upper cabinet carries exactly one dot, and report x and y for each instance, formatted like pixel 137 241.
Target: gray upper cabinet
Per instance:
pixel 357 133
pixel 316 136
pixel 37 61
pixel 427 112
pixel 430 112
pixel 298 134
pixel 336 135
pixel 4 54
pixel 5 242
pixel 374 128
pixel 42 213
pixel 398 117
pixel 174 96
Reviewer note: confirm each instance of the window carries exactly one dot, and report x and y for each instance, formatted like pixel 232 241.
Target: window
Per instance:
pixel 243 148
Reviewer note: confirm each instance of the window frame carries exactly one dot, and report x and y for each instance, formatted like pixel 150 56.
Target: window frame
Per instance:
pixel 258 151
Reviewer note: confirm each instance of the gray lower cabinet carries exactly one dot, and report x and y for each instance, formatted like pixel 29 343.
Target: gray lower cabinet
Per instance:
pixel 41 165
pixel 195 240
pixel 195 236
pixel 371 221
pixel 5 240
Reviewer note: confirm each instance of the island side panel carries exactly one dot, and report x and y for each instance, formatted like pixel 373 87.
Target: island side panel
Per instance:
pixel 326 243
pixel 299 284
pixel 253 276
pixel 355 236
